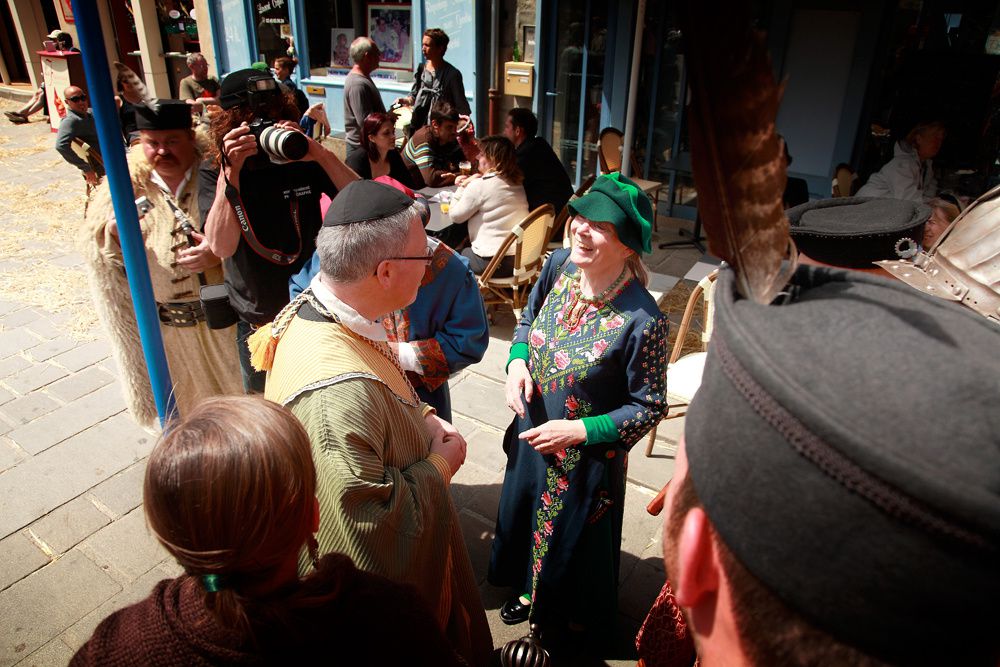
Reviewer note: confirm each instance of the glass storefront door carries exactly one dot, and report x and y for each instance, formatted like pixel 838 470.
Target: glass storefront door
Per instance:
pixel 575 84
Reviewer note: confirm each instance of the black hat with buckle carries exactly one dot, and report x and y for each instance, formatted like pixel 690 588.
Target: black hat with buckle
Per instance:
pixel 856 231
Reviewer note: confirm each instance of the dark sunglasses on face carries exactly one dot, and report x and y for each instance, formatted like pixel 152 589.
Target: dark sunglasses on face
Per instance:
pixel 77 98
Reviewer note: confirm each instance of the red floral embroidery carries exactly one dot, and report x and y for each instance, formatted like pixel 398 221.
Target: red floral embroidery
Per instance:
pixel 537 338
pixel 561 359
pixel 599 347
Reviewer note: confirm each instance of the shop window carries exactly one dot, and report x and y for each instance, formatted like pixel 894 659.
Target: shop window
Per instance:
pixel 274 30
pixel 331 28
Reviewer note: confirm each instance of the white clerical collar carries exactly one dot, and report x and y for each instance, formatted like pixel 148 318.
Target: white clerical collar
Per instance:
pixel 158 180
pixel 349 317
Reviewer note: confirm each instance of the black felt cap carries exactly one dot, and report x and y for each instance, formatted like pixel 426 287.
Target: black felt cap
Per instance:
pixel 235 88
pixel 846 447
pixel 168 115
pixel 856 231
pixel 365 200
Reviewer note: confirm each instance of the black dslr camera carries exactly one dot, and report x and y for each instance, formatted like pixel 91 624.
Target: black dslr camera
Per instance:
pixel 278 144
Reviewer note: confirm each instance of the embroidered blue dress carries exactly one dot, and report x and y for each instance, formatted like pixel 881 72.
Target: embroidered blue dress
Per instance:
pixel 559 524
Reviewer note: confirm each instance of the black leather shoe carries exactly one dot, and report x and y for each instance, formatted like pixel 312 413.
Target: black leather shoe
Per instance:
pixel 514 611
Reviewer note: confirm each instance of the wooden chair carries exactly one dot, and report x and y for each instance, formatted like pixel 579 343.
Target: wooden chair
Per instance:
pixel 562 220
pixel 530 239
pixel 684 373
pixel 609 154
pixel 845 181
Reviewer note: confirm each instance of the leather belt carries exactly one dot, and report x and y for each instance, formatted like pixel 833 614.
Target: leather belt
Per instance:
pixel 181 314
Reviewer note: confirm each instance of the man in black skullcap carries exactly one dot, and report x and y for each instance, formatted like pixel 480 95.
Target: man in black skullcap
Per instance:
pixel 202 362
pixel 836 499
pixel 262 211
pixel 384 459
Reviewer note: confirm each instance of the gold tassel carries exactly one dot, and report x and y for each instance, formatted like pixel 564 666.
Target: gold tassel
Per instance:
pixel 262 346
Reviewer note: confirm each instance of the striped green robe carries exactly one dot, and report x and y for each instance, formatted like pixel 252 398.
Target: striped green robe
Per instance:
pixel 384 501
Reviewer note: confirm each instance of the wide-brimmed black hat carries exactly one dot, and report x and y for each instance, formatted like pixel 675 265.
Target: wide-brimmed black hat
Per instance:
pixel 856 231
pixel 846 447
pixel 166 115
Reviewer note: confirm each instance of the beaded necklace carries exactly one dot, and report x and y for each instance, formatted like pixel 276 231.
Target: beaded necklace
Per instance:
pixel 579 303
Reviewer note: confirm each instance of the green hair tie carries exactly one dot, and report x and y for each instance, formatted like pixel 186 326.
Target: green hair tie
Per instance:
pixel 212 582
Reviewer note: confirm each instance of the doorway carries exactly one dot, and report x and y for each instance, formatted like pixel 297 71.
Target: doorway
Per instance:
pixel 574 82
pixel 10 48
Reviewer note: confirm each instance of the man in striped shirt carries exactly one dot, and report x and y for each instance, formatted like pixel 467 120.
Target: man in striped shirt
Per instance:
pixel 432 154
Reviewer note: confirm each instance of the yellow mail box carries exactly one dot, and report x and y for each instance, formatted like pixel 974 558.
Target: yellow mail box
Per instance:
pixel 519 79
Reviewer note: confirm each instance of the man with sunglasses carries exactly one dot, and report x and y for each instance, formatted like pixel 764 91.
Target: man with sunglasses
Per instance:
pixel 78 124
pixel 384 459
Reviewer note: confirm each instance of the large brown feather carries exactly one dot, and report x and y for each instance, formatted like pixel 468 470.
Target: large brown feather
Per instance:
pixel 736 154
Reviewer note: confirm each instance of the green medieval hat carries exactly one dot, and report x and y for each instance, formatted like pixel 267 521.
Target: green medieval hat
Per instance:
pixel 617 199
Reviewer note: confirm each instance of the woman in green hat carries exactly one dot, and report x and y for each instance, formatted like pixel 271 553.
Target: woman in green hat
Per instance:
pixel 586 379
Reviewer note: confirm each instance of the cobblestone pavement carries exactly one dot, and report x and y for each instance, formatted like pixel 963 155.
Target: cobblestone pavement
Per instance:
pixel 74 545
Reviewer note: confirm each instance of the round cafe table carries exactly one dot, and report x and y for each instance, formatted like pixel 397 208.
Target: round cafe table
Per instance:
pixel 439 219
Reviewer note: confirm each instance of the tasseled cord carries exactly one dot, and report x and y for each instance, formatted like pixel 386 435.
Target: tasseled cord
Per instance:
pixel 262 347
pixel 264 342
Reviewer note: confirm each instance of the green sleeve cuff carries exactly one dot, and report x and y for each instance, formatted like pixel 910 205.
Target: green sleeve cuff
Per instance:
pixel 517 351
pixel 600 429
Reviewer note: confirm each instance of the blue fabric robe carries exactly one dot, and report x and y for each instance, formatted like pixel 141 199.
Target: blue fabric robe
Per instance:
pixel 559 524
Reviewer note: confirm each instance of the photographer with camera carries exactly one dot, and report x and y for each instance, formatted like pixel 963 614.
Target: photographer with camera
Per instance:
pixel 263 214
pixel 164 174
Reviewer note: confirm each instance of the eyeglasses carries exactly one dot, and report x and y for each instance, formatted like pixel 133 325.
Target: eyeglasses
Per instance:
pixel 426 257
pixel 77 98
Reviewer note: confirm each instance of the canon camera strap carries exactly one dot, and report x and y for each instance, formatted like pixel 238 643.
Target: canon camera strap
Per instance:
pixel 183 222
pixel 270 254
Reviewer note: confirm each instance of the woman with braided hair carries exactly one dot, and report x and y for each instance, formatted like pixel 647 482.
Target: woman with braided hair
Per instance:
pixel 230 493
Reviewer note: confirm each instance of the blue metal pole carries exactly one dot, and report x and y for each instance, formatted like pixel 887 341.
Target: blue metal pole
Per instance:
pixel 102 98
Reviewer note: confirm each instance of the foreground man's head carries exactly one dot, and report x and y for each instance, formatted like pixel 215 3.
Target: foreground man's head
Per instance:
pixel 837 499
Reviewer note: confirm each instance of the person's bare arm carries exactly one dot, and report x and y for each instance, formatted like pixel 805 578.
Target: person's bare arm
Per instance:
pixel 222 229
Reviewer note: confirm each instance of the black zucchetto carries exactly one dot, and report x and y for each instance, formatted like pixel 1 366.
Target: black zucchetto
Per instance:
pixel 365 200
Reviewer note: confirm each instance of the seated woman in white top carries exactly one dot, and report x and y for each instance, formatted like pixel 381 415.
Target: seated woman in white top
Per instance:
pixel 491 203
pixel 910 173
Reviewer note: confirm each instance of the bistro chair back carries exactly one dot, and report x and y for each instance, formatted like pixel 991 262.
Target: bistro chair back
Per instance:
pixel 530 239
pixel 845 181
pixel 684 373
pixel 609 153
pixel 563 219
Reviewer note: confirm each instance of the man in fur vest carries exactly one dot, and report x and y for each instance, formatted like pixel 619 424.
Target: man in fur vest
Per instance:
pixel 202 361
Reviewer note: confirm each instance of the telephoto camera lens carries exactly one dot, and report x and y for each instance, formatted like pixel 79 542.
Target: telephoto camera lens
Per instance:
pixel 284 144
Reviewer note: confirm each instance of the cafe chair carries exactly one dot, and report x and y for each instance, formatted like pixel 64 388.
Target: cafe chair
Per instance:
pixel 684 373
pixel 562 220
pixel 530 239
pixel 845 181
pixel 609 154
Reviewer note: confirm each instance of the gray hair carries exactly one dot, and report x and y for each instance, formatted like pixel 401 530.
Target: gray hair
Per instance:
pixel 360 48
pixel 192 58
pixel 349 253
